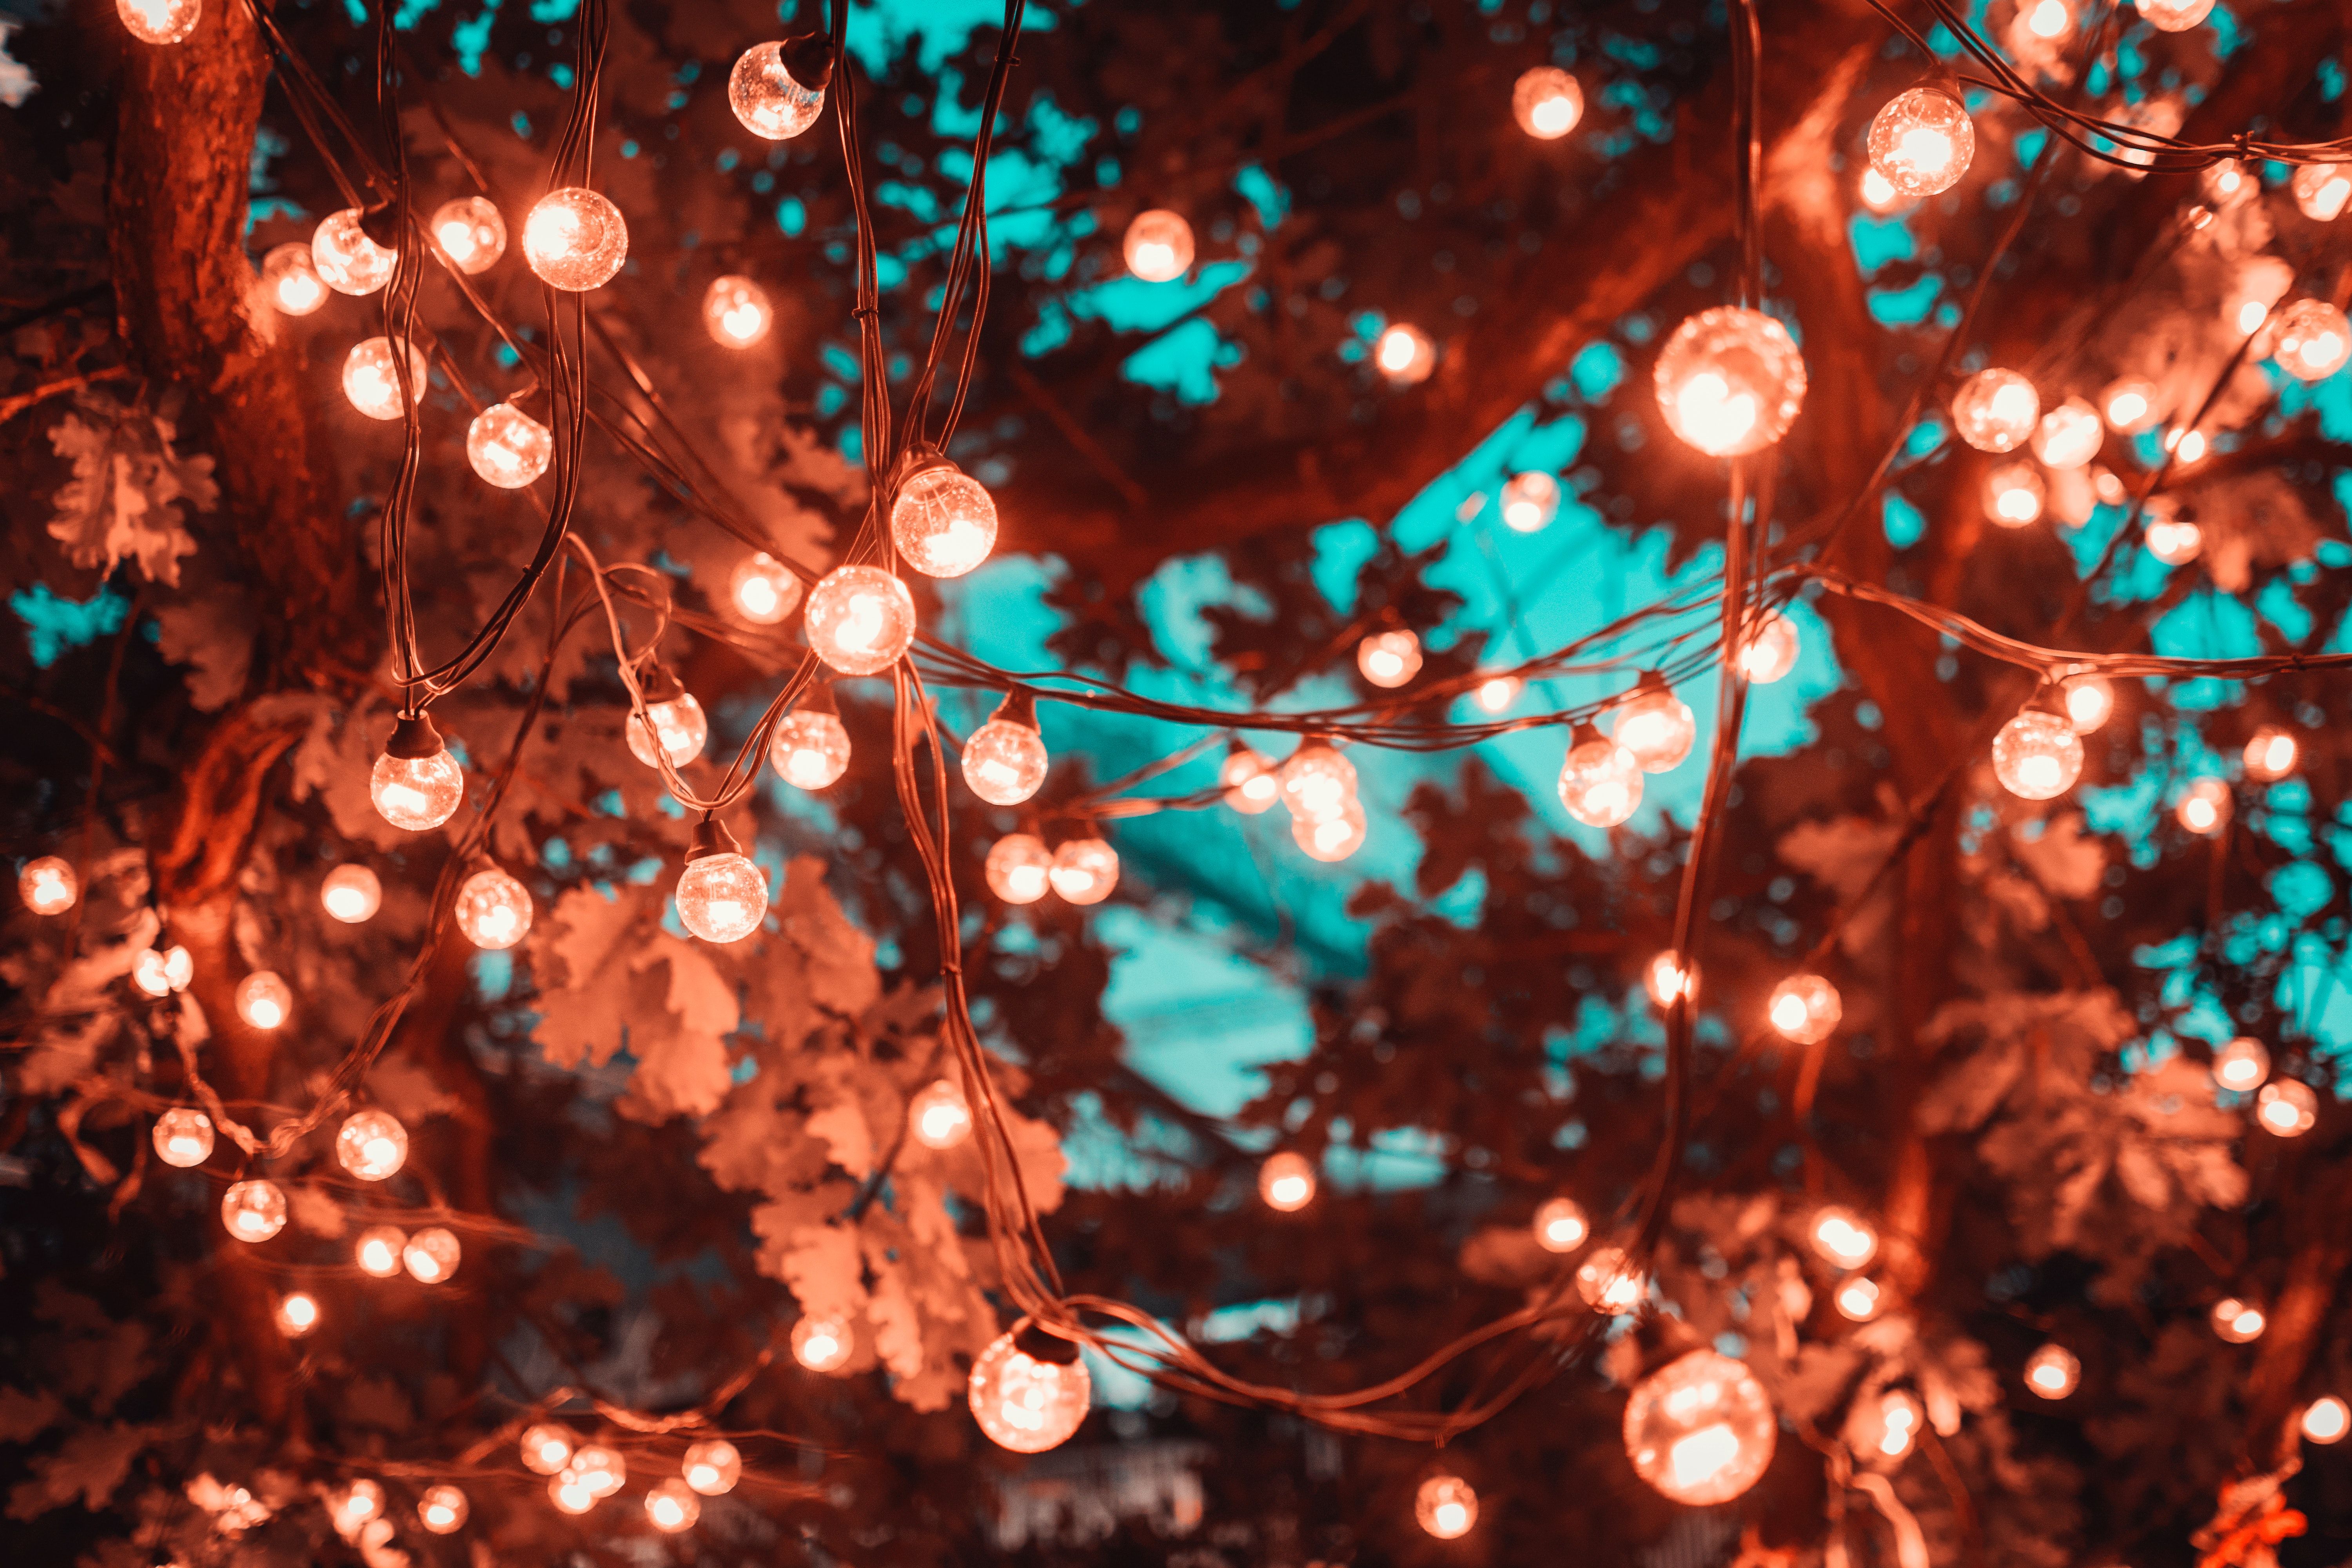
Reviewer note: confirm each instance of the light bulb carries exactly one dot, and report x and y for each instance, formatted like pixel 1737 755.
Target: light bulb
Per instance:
pixel 2174 541
pixel 508 446
pixel 547 1447
pixel 1287 1181
pixel 1498 692
pixel 296 1314
pixel 2090 701
pixel 371 1146
pixel 767 99
pixel 352 894
pixel 2130 406
pixel 2326 1419
pixel 2241 1066
pixel 1158 245
pixel 2271 754
pixel 1857 1299
pixel 1668 978
pixel 1250 781
pixel 810 749
pixel 1996 410
pixel 939 1116
pixel 1805 1009
pixel 2250 316
pixel 2069 436
pixel 599 1468
pixel 2186 446
pixel 1019 869
pixel 2037 755
pixel 762 589
pixel 2312 340
pixel 290 280
pixel 2321 190
pixel 1600 783
pixel 2052 1372
pixel 377 1253
pixel 1922 142
pixel 1844 1238
pixel 353 1507
pixel 1084 871
pixel 722 897
pixel 1609 1282
pixel 821 1344
pixel 1388 660
pixel 1561 1225
pixel 1004 762
pixel 860 619
pixel 493 909
pixel 2286 1108
pixel 1656 726
pixel 570 1493
pixel 1317 780
pixel 345 258
pixel 575 239
pixel 442 1509
pixel 184 1137
pixel 2049 19
pixel 2205 807
pixel 2108 488
pixel 737 312
pixel 1404 355
pixel 49 887
pixel 263 1000
pixel 2014 494
pixel 674 727
pixel 1530 500
pixel 712 1466
pixel 1883 1429
pixel 431 1255
pixel 1878 193
pixel 1547 102
pixel 1446 1507
pixel 1025 1404
pixel 672 1506
pixel 2174 16
pixel 253 1211
pixel 943 520
pixel 372 381
pixel 2238 1323
pixel 159 21
pixel 470 232
pixel 1699 1430
pixel 1731 381
pixel 159 971
pixel 1331 839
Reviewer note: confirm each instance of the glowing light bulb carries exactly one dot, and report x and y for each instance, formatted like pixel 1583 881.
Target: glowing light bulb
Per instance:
pixel 2251 315
pixel 1019 868
pixel 671 1506
pixel 49 887
pixel 546 1449
pixel 2174 541
pixel 1609 1282
pixel 2052 1372
pixel 939 1116
pixel 1922 142
pixel 345 258
pixel 470 233
pixel 2238 1323
pixel 1404 355
pixel 1317 780
pixel 372 381
pixel 1331 839
pixel 431 1255
pixel 943 520
pixel 1996 410
pixel 762 589
pixel 2174 16
pixel 1668 979
pixel 1858 1299
pixel 1249 780
pixel 1004 761
pixel 2130 406
pixel 1771 650
pixel 159 971
pixel 810 749
pixel 1287 1181
pixel 1029 1402
pixel 1656 726
pixel 184 1137
pixel 377 1253
pixel 159 21
pixel 1547 102
pixel 352 894
pixel 1446 1507
pixel 1883 1429
pixel 575 239
pixel 570 1493
pixel 493 909
pixel 1878 193
pixel 1530 500
pixel 2108 489
pixel 1561 1225
pixel 2090 701
pixel 1388 660
pixel 1600 783
pixel 509 448
pixel 2326 1419
pixel 2205 808
pixel 1844 1238
pixel 860 619
pixel 2321 190
pixel 2312 341
pixel 674 727
pixel 2037 755
pixel 767 99
pixel 2241 1066
pixel 296 1314
pixel 1084 871
pixel 1158 245
pixel 722 896
pixel 2069 436
pixel 2014 494
pixel 2049 19
pixel 1805 1009
pixel 290 280
pixel 1700 1429
pixel 2186 446
pixel 2271 754
pixel 821 1344
pixel 1498 692
pixel 599 1468
pixel 371 1146
pixel 712 1466
pixel 1731 381
pixel 263 1000
pixel 2286 1108
pixel 442 1509
pixel 737 312
pixel 351 1507
pixel 253 1211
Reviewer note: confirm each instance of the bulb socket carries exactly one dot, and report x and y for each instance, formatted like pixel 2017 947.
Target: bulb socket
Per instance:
pixel 819 698
pixel 710 837
pixel 658 684
pixel 382 222
pixel 809 56
pixel 1038 1345
pixel 1018 707
pixel 1582 731
pixel 413 739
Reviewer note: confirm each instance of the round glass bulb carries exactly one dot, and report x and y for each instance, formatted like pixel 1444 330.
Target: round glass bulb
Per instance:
pixel 1609 1282
pixel 723 898
pixel 599 1468
pixel 1019 868
pixel 2271 754
pixel 712 1467
pixel 1656 727
pixel 943 521
pixel 2321 190
pixel 442 1509
pixel 2174 542
pixel 2037 755
pixel 371 1146
pixel 2238 1323
pixel 1731 381
pixel 1771 651
pixel 2052 1372
pixel 1251 781
pixel 1287 1181
pixel 372 381
pixel 766 99
pixel 1601 783
pixel 2130 405
pixel 1530 500
pixel 2312 340
pixel 1084 871
pixel 352 894
pixel 1857 1299
pixel 263 1000
pixel 1388 660
pixel 493 909
pixel 470 232
pixel 159 971
pixel 1668 977
pixel 345 258
pixel 570 1493
pixel 822 1344
pixel 1027 1405
pixel 762 589
pixel 1547 102
pixel 809 750
pixel 159 21
pixel 2090 703
pixel 1921 143
pixel 49 887
pixel 377 1253
pixel 1317 780
pixel 2286 1109
pixel 1158 245
pixel 431 1255
pixel 296 1314
pixel 1561 1225
pixel 2206 806
pixel 1883 1429
pixel 1498 692
pixel 1877 192
pixel 2174 16
pixel 508 446
pixel 737 312
pixel 547 1447
pixel 2326 1419
pixel 676 727
pixel 2048 20
pixel 1805 1009
pixel 860 619
pixel 2014 494
pixel 575 239
pixel 184 1137
pixel 350 1508
pixel 1446 1507
pixel 1004 762
pixel 290 280
pixel 1404 353
pixel 2069 436
pixel 939 1116
pixel 1996 410
pixel 2241 1066
pixel 253 1211
pixel 1843 1238
pixel 1331 839
pixel 671 1506
pixel 1699 1430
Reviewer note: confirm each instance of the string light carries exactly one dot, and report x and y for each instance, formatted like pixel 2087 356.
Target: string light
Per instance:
pixel 1446 1507
pixel 184 1137
pixel 2312 341
pixel 671 1506
pixel 762 589
pixel 1547 102
pixel 570 1493
pixel 1599 782
pixel 712 1467
pixel 493 909
pixel 1771 650
pixel 431 1254
pixel 509 448
pixel 1609 1282
pixel 810 749
pixel 1878 193
pixel 2321 190
pixel 159 21
pixel 1530 500
pixel 2174 541
pixel 49 887
pixel 159 972
pixel 2014 494
pixel 352 1507
pixel 1669 979
pixel 2238 1323
pixel 600 1469
pixel 296 1314
pixel 1317 780
pixel 1857 1299
pixel 1731 381
pixel 2326 1419
pixel 1388 660
pixel 860 619
pixel 1921 143
pixel 546 1448
pixel 1996 411
pixel 1249 780
pixel 1158 245
pixel 253 1211
pixel 1287 1181
pixel 939 1116
pixel 290 280
pixel 1404 355
pixel 737 312
pixel 1004 762
pixel 2037 755
pixel 2090 701
pixel 766 96
pixel 371 1146
pixel 1331 839
pixel 1498 692
pixel 2286 1108
pixel 2241 1066
pixel 722 896
pixel 1029 1391
pixel 1888 1429
pixel 377 1253
pixel 673 725
pixel 1084 871
pixel 2271 754
pixel 1700 1429
pixel 1654 725
pixel 2050 20
pixel 2205 807
pixel 2129 406
pixel 1805 1009
pixel 442 1509
pixel 470 233
pixel 2186 446
pixel 352 894
pixel 263 1000
pixel 943 520
pixel 1561 1225
pixel 575 239
pixel 2174 16
pixel 1019 869
pixel 346 260
pixel 1844 1238
pixel 2069 436
pixel 2052 1372
pixel 371 382
pixel 821 1344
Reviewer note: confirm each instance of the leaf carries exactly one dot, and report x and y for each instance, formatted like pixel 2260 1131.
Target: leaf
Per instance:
pixel 841 974
pixel 90 1465
pixel 313 1209
pixel 820 1265
pixel 583 993
pixel 2066 861
pixel 122 502
pixel 681 1049
pixel 25 1417
pixel 842 1126
pixel 212 633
